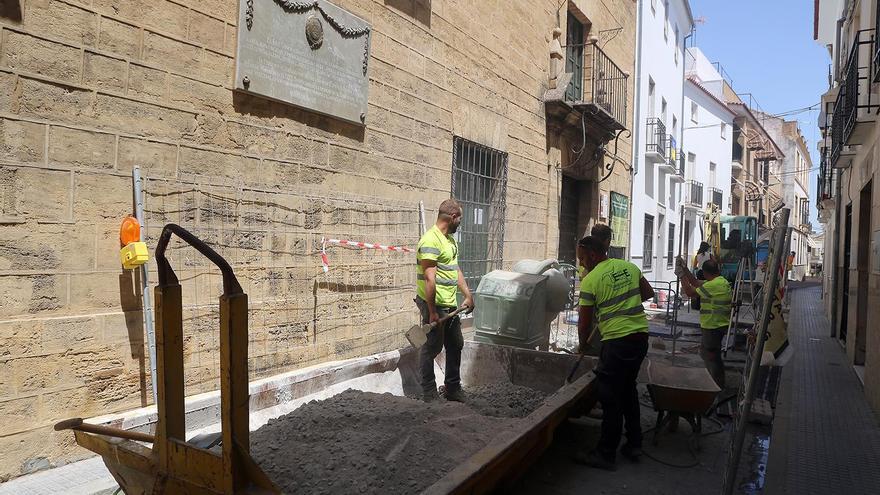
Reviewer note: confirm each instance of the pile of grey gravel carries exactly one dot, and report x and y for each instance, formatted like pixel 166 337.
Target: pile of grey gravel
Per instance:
pixel 363 442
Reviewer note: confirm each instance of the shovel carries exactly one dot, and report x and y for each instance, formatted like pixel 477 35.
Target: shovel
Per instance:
pixel 417 335
pixel 577 364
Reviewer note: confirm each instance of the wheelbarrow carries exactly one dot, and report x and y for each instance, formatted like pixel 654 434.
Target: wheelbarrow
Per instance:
pixel 173 465
pixel 680 392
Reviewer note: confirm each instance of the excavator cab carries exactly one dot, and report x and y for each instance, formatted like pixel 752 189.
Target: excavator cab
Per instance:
pixel 739 236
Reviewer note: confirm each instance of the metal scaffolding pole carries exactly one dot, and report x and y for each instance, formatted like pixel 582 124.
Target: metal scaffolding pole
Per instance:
pixel 777 256
pixel 138 190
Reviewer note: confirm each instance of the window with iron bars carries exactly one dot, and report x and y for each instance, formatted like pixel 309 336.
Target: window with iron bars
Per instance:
pixel 648 246
pixel 479 183
pixel 670 246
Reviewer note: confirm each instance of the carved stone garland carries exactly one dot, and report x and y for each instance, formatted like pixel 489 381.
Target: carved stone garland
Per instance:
pixel 299 7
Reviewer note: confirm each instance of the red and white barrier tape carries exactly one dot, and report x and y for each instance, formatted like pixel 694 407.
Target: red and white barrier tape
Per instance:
pixel 325 262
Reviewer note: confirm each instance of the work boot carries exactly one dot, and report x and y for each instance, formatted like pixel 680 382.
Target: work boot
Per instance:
pixel 630 452
pixel 430 395
pixel 454 394
pixel 596 460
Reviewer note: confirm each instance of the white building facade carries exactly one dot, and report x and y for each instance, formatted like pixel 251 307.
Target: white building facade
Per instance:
pixel 790 179
pixel 707 147
pixel 658 167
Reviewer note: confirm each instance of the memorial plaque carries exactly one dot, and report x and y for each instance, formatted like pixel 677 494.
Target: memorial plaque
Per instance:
pixel 311 54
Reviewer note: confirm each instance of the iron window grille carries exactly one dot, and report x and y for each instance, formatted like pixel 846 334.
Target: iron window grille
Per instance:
pixel 479 183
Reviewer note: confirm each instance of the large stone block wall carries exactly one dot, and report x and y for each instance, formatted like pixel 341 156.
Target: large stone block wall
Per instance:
pixel 91 88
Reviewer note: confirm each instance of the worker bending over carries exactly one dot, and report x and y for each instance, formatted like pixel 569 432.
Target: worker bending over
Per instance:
pixel 437 282
pixel 612 292
pixel 715 299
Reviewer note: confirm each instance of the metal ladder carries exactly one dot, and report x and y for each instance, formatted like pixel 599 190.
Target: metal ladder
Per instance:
pixel 744 294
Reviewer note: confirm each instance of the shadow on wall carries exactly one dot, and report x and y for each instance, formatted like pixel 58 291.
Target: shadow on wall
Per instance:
pixel 11 9
pixel 130 294
pixel 262 107
pixel 420 10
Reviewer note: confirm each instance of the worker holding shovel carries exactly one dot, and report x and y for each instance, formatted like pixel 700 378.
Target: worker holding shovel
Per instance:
pixel 437 282
pixel 612 292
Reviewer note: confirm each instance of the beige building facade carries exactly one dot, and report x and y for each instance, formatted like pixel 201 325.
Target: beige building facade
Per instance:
pixel 849 200
pixel 460 98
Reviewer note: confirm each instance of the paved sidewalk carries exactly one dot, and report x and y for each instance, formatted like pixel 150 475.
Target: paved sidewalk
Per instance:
pixel 826 439
pixel 88 477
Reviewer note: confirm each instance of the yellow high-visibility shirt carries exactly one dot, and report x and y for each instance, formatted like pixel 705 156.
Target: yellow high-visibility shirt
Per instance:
pixel 613 288
pixel 715 297
pixel 443 249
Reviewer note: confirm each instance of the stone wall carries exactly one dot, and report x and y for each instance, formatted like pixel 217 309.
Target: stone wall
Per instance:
pixel 91 88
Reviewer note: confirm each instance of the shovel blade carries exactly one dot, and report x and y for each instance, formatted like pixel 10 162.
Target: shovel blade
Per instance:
pixel 417 335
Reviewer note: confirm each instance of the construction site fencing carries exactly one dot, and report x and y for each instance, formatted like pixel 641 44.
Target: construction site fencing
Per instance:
pixel 301 311
pixel 563 330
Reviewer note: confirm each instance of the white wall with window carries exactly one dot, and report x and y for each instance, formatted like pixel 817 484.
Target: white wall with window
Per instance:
pixel 707 140
pixel 664 25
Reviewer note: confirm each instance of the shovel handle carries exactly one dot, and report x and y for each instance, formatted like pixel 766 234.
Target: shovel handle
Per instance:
pixel 577 364
pixel 448 316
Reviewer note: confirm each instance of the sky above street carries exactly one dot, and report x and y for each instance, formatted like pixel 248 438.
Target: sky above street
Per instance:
pixel 767 49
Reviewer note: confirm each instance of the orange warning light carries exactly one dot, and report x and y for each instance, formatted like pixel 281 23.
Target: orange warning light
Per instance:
pixel 130 231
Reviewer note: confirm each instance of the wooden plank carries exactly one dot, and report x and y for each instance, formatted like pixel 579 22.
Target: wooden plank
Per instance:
pixel 195 466
pixel 514 448
pixel 171 421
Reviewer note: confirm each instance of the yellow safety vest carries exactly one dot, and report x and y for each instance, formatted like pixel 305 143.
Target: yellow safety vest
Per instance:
pixel 443 249
pixel 715 299
pixel 613 288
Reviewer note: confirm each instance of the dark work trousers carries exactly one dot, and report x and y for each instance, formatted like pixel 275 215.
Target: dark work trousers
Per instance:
pixel 710 351
pixel 619 363
pixel 447 335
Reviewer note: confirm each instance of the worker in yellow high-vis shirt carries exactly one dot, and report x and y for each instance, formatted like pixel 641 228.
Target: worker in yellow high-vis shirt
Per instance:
pixel 437 282
pixel 612 293
pixel 715 299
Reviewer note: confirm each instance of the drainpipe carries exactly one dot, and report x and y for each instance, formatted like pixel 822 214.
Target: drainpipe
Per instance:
pixel 681 147
pixel 636 124
pixel 680 206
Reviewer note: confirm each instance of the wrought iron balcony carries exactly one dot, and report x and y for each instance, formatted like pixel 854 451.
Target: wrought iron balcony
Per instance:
pixel 595 89
pixel 655 150
pixel 717 197
pixel 678 176
pixel 825 183
pixel 693 195
pixel 850 122
pixel 669 165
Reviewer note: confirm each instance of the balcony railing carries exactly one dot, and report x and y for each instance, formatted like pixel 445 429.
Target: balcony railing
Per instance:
pixel 604 84
pixel 656 138
pixel 826 182
pixel 693 194
pixel 677 174
pixel 668 164
pixel 717 197
pixel 855 83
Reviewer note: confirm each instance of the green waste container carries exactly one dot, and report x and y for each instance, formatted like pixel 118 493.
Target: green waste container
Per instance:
pixel 511 309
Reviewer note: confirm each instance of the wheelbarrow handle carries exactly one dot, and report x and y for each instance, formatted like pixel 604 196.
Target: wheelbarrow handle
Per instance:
pixel 79 425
